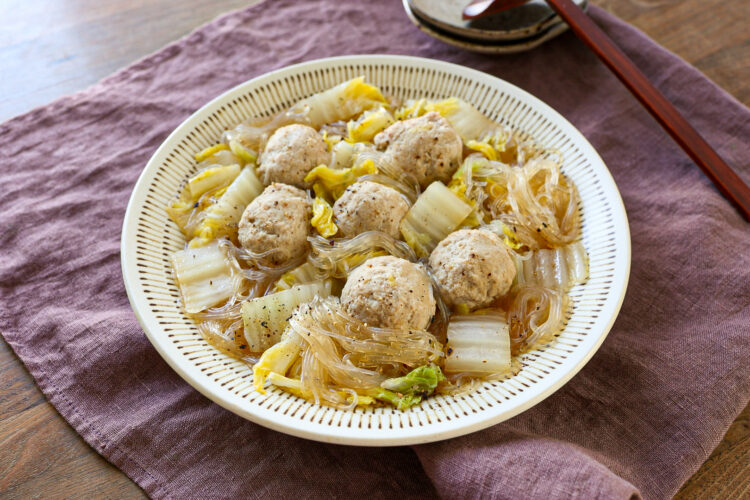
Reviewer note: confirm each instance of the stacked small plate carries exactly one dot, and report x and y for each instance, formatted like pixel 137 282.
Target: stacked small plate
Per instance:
pixel 515 30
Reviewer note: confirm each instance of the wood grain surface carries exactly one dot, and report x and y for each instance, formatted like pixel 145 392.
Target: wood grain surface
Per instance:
pixel 49 48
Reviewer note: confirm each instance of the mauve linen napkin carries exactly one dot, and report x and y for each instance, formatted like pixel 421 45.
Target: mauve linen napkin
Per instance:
pixel 639 419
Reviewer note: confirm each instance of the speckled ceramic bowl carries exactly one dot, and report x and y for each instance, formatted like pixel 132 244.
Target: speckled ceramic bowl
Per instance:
pixel 149 238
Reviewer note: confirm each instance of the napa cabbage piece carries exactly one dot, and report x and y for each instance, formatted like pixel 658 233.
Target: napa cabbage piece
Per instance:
pixel 202 190
pixel 291 385
pixel 181 210
pixel 212 178
pixel 422 380
pixel 221 218
pixel 322 218
pixel 224 157
pixel 560 268
pixel 478 344
pixel 400 401
pixel 342 102
pixel 474 197
pixel 277 359
pixel 577 261
pixel 330 183
pixel 246 155
pixel 411 109
pixel 331 140
pixel 342 155
pixel 409 390
pixel 482 147
pixel 436 213
pixel 369 124
pixel 468 121
pixel 210 151
pixel 509 237
pixel 300 275
pixel 265 318
pixel 203 276
pixel 492 145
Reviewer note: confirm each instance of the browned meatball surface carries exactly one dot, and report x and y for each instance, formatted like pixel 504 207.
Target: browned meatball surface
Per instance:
pixel 369 206
pixel 290 153
pixel 389 292
pixel 278 222
pixel 427 148
pixel 472 268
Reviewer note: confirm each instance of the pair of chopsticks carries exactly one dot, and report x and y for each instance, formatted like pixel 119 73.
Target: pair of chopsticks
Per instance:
pixel 725 179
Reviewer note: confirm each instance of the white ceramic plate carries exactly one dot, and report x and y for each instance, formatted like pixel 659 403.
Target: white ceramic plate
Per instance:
pixel 149 238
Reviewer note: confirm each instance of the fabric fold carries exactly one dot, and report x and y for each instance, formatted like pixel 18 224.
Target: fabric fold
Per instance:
pixel 510 464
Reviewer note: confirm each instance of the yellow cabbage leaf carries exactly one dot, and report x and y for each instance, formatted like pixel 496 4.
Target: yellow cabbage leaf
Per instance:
pixel 210 151
pixel 368 125
pixel 246 155
pixel 212 178
pixel 322 219
pixel 331 183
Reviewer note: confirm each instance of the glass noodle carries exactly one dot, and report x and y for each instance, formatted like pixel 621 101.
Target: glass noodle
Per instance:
pixel 340 352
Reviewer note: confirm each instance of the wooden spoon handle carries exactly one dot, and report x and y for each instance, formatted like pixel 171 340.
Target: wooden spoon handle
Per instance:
pixel 725 179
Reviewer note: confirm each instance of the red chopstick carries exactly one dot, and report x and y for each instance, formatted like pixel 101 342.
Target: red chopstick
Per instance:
pixel 725 179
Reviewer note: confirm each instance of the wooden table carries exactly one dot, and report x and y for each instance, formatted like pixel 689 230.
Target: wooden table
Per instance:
pixel 49 48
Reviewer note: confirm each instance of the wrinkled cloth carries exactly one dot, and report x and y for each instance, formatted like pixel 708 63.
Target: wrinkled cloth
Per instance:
pixel 639 419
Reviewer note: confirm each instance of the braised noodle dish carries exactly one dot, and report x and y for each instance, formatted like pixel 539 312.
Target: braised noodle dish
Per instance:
pixel 357 250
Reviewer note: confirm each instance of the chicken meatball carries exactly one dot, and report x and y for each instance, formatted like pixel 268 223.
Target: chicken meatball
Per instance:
pixel 278 222
pixel 290 153
pixel 472 268
pixel 389 292
pixel 425 148
pixel 369 206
